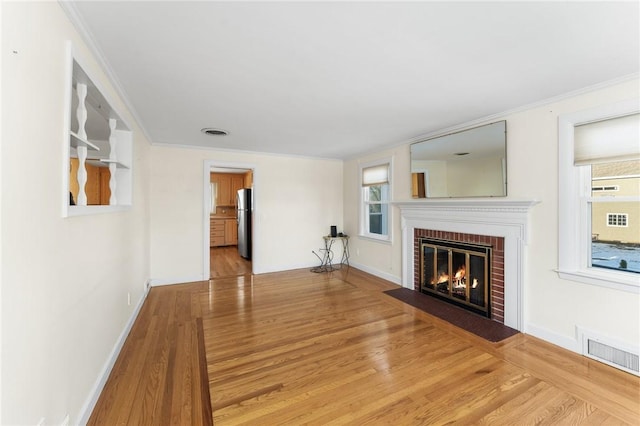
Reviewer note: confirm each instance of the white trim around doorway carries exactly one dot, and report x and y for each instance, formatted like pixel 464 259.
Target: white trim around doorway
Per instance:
pixel 206 202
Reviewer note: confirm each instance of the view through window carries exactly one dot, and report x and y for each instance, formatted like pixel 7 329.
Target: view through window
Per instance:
pixel 615 215
pixel 376 199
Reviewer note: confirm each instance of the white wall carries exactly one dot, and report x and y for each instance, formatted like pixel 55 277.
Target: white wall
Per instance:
pixel 296 200
pixel 553 307
pixel 64 280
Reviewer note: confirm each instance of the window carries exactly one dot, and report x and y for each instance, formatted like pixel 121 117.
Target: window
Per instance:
pixel 376 194
pixel 617 219
pixel 599 185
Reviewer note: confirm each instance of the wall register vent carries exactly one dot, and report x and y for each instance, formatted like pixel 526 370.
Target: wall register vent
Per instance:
pixel 608 352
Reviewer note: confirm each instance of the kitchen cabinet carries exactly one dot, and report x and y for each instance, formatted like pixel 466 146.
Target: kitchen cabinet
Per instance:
pixel 217 231
pixel 223 232
pixel 96 188
pixel 224 191
pixel 227 185
pixel 248 179
pixel 231 231
pixel 237 182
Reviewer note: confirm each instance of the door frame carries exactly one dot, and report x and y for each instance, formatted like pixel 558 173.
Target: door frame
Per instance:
pixel 206 202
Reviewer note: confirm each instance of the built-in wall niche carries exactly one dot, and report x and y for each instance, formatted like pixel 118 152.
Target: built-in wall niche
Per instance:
pixel 98 146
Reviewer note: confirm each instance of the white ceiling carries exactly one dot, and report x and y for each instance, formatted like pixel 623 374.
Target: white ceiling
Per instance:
pixel 337 79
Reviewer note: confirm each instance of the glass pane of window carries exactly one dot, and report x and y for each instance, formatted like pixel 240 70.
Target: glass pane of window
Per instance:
pixel 378 219
pixel 615 225
pixel 384 212
pixel 375 214
pixel 620 178
pixel 375 193
pixel 375 224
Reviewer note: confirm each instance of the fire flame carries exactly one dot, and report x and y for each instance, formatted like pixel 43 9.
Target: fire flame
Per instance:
pixel 444 277
pixel 460 273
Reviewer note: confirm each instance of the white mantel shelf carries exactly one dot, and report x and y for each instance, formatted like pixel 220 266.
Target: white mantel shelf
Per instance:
pixel 476 204
pixel 499 217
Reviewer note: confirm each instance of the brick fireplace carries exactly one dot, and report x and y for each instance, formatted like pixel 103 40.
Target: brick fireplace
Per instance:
pixel 500 223
pixel 495 279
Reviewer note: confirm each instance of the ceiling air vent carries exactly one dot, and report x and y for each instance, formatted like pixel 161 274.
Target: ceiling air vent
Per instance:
pixel 214 132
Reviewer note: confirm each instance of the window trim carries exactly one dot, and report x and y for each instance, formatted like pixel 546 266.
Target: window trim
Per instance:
pixel 362 231
pixel 574 186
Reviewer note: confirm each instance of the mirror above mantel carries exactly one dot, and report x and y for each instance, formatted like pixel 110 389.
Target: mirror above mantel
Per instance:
pixel 468 163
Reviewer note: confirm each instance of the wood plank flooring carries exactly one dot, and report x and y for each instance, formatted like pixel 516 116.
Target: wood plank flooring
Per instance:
pixel 226 262
pixel 303 348
pixel 159 377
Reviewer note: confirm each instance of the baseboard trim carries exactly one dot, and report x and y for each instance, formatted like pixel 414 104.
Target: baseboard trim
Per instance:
pixel 568 343
pixel 92 399
pixel 157 282
pixel 377 273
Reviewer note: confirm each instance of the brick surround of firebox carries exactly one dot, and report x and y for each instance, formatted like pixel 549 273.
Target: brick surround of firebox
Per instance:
pixel 497 262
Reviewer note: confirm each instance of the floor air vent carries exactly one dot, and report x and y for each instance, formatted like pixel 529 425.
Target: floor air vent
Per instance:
pixel 603 350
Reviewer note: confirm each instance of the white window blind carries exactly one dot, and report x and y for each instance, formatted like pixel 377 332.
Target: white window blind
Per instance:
pixel 375 175
pixel 616 139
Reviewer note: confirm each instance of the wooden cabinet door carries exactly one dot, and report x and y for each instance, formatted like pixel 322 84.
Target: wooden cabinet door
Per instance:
pixel 92 187
pixel 224 191
pixel 227 187
pixel 248 179
pixel 97 186
pixel 237 182
pixel 105 191
pixel 231 232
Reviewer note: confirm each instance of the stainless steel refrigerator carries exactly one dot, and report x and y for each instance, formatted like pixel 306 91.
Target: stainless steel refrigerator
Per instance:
pixel 243 208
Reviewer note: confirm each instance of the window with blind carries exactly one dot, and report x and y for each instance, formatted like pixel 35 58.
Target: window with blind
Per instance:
pixel 599 171
pixel 375 196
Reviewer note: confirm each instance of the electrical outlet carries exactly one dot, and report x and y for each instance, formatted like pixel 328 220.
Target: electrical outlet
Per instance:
pixel 128 299
pixel 147 285
pixel 357 252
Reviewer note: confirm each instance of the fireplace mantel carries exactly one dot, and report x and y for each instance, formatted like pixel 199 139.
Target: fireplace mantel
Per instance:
pixel 500 217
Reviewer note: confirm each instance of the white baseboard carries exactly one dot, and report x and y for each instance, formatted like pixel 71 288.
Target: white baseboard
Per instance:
pixel 568 343
pixel 92 399
pixel 384 275
pixel 156 282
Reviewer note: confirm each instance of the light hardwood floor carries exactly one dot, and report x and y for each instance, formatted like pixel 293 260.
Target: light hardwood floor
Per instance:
pixel 303 348
pixel 226 262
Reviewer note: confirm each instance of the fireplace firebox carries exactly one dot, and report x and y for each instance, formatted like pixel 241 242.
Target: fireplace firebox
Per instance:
pixel 457 273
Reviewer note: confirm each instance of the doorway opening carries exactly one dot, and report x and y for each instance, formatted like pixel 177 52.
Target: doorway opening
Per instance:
pixel 227 223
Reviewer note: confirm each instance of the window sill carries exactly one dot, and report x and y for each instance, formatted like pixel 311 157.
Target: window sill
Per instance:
pixel 386 240
pixel 609 279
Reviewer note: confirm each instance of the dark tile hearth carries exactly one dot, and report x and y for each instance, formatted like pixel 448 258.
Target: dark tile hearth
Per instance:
pixel 490 330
